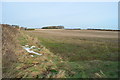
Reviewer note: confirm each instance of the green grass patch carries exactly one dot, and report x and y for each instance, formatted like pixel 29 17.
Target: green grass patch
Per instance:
pixel 82 51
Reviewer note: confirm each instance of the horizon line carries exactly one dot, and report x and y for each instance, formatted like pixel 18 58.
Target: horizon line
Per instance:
pixel 64 27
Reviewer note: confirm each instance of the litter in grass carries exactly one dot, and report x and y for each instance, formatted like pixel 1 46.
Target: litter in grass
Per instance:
pixel 31 55
pixel 32 46
pixel 29 50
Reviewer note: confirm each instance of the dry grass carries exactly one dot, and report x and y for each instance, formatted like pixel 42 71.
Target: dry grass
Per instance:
pixel 38 66
pixel 10 49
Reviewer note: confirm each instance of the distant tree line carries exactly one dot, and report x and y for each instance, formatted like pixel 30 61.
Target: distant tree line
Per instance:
pixel 53 27
pixel 102 29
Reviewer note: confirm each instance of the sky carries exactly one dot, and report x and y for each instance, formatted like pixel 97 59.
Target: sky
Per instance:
pixel 60 0
pixel 98 15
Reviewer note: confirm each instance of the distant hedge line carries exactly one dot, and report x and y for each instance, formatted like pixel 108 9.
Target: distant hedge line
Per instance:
pixel 29 29
pixel 103 29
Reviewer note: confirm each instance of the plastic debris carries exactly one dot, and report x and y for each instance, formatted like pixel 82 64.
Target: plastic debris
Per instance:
pixel 26 47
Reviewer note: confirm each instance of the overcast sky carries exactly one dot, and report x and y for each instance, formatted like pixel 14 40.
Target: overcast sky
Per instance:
pixel 69 14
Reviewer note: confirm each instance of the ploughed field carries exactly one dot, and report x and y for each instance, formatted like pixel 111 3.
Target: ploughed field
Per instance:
pixel 90 50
